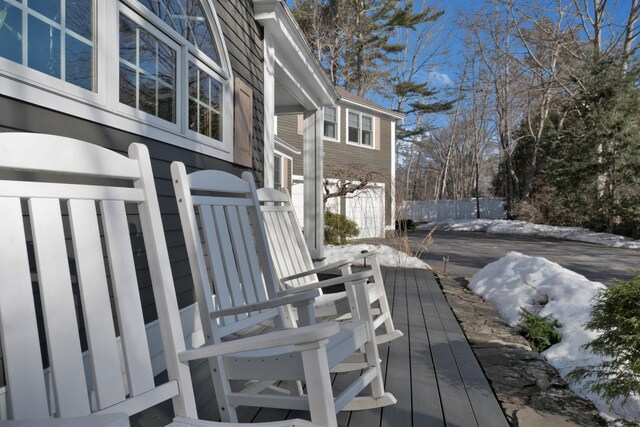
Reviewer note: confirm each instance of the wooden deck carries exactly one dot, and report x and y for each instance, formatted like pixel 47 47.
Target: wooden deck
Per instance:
pixel 432 370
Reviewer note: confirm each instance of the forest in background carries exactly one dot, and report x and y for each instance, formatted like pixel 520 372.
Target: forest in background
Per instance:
pixel 542 107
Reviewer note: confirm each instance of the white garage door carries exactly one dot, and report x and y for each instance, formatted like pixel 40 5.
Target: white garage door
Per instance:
pixel 365 208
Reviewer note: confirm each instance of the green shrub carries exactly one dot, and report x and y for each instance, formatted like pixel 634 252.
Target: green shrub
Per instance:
pixel 539 330
pixel 337 228
pixel 616 315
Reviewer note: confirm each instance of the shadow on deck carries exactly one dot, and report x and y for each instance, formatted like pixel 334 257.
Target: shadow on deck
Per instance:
pixel 432 370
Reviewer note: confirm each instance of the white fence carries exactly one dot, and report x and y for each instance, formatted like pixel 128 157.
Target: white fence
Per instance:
pixel 440 210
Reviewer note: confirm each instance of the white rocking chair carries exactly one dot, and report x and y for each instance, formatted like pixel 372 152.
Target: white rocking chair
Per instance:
pixel 295 267
pixel 73 200
pixel 238 293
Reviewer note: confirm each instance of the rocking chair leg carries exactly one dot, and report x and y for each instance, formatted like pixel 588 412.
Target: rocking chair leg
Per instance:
pixel 222 388
pixel 321 405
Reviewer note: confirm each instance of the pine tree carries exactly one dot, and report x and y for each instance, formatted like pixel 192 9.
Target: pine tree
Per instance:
pixel 356 42
pixel 590 156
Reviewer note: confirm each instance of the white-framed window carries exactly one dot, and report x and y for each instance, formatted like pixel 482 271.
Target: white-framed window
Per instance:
pixel 332 123
pixel 152 67
pixel 282 166
pixel 52 37
pixel 277 171
pixel 360 129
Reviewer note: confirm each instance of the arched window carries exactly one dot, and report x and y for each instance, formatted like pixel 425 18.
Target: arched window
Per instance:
pixel 159 63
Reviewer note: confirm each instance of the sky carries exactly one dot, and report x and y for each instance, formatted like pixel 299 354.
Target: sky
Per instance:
pixel 446 67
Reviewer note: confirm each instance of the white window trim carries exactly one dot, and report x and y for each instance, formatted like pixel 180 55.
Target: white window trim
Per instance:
pixel 337 139
pixel 373 130
pixel 28 85
pixel 282 156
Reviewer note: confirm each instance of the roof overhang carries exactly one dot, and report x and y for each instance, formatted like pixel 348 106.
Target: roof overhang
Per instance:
pixel 366 108
pixel 297 69
pixel 287 149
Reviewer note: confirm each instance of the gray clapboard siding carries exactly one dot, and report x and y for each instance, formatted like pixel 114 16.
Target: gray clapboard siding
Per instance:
pixel 340 153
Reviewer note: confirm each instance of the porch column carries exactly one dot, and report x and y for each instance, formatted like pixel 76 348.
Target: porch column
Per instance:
pixel 312 149
pixel 392 185
pixel 269 108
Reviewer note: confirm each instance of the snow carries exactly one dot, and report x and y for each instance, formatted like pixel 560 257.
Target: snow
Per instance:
pixel 519 281
pixel 387 255
pixel 501 226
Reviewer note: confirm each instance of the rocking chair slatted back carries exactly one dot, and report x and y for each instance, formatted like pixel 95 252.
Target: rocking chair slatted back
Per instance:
pixel 282 226
pixel 68 225
pixel 232 263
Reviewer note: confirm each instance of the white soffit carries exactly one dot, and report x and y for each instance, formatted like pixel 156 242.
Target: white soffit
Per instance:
pixel 296 67
pixel 287 149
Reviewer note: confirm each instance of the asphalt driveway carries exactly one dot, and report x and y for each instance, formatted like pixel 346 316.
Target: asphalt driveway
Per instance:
pixel 468 252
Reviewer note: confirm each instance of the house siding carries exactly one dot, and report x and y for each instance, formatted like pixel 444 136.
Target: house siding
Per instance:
pixel 341 153
pixel 244 40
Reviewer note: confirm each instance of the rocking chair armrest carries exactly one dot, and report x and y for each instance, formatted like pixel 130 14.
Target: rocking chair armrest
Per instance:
pixel 332 266
pixel 359 277
pixel 271 303
pixel 294 336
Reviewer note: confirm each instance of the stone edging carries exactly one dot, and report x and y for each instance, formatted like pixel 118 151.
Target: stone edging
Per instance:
pixel 530 391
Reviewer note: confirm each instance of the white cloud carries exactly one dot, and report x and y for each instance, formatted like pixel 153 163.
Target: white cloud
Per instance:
pixel 440 79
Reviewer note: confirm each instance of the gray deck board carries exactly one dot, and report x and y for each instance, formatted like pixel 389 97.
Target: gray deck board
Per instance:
pixel 431 370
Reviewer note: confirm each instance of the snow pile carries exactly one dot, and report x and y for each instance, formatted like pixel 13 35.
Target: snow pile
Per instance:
pixel 386 255
pixel 501 226
pixel 519 281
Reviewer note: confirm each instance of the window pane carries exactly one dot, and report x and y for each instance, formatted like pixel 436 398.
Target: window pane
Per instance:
pixel 166 104
pixel 79 15
pixel 187 19
pixel 128 86
pixel 204 103
pixel 147 94
pixel 44 47
pixel 330 114
pixel 193 82
pixel 49 8
pixel 354 120
pixel 353 134
pixel 147 71
pixel 128 39
pixel 148 52
pixel 277 172
pixel 79 67
pixel 216 126
pixel 10 32
pixel 193 115
pixel 166 64
pixel 205 96
pixel 366 138
pixel 330 130
pixel 367 123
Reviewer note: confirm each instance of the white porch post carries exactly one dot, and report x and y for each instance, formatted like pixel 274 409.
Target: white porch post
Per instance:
pixel 269 108
pixel 392 184
pixel 312 149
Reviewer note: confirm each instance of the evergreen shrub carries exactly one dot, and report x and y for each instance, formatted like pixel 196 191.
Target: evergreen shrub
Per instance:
pixel 616 315
pixel 539 330
pixel 337 228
